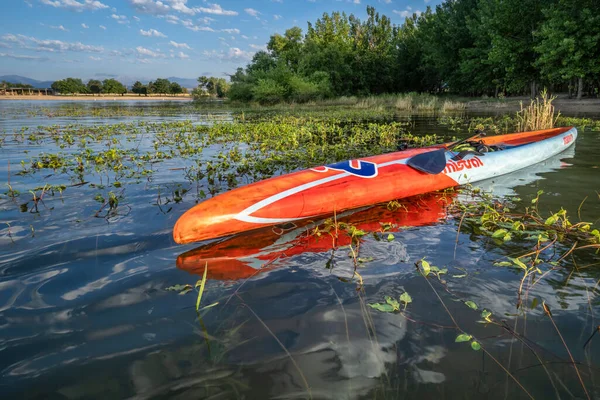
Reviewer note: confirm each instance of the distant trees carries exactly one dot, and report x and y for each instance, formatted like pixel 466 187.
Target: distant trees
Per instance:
pixel 113 86
pixel 469 47
pixel 216 87
pixel 94 86
pixel 139 88
pixel 5 84
pixel 70 86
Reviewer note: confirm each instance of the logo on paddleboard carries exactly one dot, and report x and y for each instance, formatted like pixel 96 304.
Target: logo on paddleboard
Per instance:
pixel 458 166
pixel 361 168
pixel 568 139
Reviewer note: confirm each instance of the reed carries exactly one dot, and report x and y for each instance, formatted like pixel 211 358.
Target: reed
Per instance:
pixel 428 103
pixel 404 103
pixel 539 114
pixel 450 105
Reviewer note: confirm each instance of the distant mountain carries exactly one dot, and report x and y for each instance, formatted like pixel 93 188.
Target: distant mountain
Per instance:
pixel 184 82
pixel 27 81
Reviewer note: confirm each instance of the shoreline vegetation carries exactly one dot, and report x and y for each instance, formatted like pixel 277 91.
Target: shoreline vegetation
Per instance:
pixel 96 97
pixel 409 102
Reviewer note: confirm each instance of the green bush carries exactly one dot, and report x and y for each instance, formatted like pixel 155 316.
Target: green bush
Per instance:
pixel 241 91
pixel 302 90
pixel 268 91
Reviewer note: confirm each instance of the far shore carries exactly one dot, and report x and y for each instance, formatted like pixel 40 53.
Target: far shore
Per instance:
pixel 562 103
pixel 96 98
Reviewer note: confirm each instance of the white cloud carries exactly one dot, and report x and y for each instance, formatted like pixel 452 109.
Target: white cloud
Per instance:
pixel 28 3
pixel 233 54
pixel 53 46
pixel 121 19
pixel 73 5
pixel 193 27
pixel 136 18
pixel 158 7
pixel 5 45
pixel 9 37
pixel 182 55
pixel 150 6
pixel 95 58
pixel 172 19
pixel 245 37
pixel 59 27
pixel 277 17
pixel 406 13
pixel 180 45
pixel 102 27
pixel 142 51
pixel 252 12
pixel 84 26
pixel 25 58
pixel 152 32
pixel 60 46
pixel 277 1
pixel 258 46
pixel 231 30
pixel 180 5
pixel 206 20
pixel 216 10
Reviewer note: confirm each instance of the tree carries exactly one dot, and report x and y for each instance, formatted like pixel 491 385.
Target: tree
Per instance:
pixel 175 88
pixel 70 86
pixel 113 86
pixel 287 48
pixel 94 86
pixel 212 86
pixel 139 88
pixel 161 86
pixel 569 42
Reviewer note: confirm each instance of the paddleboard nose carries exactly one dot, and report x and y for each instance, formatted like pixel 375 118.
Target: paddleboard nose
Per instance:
pixel 183 232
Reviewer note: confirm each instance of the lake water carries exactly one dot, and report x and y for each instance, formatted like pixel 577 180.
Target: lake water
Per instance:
pixel 85 312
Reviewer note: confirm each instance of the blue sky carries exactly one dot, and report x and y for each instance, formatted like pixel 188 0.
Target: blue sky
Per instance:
pixel 146 39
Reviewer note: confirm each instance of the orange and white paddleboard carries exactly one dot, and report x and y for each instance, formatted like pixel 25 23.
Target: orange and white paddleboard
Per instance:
pixel 357 183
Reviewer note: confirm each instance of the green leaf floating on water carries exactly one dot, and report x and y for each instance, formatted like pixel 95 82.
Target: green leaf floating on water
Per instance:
pixel 382 307
pixel 475 346
pixel 463 337
pixel 519 263
pixel 503 264
pixel 426 267
pixel 405 298
pixel 182 289
pixel 500 233
pixel 392 302
pixel 471 304
pixel 390 237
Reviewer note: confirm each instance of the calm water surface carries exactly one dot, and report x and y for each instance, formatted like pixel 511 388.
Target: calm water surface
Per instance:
pixel 85 314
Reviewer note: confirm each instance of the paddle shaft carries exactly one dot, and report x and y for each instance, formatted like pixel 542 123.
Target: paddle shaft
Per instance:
pixel 478 134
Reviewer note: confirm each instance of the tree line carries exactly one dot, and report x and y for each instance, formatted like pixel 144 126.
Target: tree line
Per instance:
pixel 6 84
pixel 113 86
pixel 466 47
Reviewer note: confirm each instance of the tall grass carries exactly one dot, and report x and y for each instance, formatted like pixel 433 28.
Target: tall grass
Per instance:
pixel 428 103
pixel 404 102
pixel 539 114
pixel 450 105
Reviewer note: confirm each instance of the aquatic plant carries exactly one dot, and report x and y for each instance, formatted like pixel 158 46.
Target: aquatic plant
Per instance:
pixel 539 114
